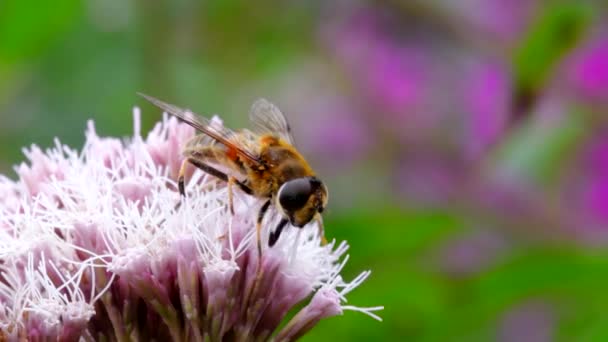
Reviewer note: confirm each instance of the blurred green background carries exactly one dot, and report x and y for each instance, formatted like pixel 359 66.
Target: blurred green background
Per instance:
pixel 465 143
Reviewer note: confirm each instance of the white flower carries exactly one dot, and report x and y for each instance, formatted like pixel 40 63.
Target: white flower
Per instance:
pixel 97 245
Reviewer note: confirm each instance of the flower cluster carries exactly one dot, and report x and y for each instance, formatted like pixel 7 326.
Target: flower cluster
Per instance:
pixel 98 245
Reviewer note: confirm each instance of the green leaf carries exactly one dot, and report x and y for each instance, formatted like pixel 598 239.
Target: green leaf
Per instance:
pixel 381 232
pixel 539 149
pixel 555 32
pixel 27 27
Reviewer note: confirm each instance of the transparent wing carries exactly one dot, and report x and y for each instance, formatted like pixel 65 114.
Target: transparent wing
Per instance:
pixel 266 118
pixel 222 134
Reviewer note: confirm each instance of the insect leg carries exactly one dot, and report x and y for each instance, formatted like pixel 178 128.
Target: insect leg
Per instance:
pixel 245 188
pixel 208 169
pixel 231 182
pixel 180 178
pixel 217 173
pixel 258 227
pixel 274 236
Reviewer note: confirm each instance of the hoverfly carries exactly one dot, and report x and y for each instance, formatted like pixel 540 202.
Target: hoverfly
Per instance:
pixel 263 162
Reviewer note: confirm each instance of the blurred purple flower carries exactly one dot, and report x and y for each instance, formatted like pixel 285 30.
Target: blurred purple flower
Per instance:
pixel 429 178
pixel 487 96
pixel 473 252
pixel 92 246
pixel 334 131
pixel 394 78
pixel 503 19
pixel 588 69
pixel 349 39
pixel 390 74
pixel 530 322
pixel 588 187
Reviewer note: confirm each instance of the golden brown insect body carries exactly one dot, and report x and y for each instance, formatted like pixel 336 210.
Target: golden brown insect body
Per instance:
pixel 262 162
pixel 286 164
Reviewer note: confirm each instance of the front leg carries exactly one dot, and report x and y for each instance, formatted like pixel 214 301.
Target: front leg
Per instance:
pixel 274 235
pixel 258 228
pixel 231 182
pixel 180 178
pixel 199 158
pixel 214 172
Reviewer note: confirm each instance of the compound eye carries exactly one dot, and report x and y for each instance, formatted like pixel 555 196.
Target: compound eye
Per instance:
pixel 294 194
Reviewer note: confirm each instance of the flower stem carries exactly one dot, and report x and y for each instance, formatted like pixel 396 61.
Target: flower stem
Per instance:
pixel 115 318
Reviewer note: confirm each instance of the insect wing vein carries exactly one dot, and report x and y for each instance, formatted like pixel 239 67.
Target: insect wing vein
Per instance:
pixel 266 118
pixel 202 124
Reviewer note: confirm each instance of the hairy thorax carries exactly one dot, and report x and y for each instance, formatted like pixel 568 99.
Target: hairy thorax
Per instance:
pixel 282 162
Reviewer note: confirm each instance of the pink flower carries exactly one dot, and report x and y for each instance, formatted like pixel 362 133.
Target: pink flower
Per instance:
pixel 587 186
pixel 94 245
pixel 393 74
pixel 504 20
pixel 487 95
pixel 588 69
